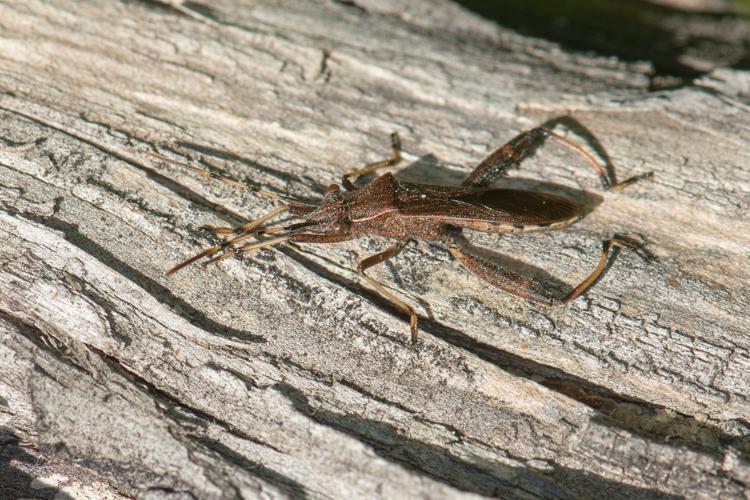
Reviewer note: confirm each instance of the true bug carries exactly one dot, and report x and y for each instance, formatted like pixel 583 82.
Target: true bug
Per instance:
pixel 406 211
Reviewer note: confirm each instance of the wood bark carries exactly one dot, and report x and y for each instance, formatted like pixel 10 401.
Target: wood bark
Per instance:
pixel 282 374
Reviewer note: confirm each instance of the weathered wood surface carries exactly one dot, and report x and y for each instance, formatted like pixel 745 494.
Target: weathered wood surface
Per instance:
pixel 283 374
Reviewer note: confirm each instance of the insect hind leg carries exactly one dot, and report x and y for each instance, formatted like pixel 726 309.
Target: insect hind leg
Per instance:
pixel 529 287
pixel 506 157
pixel 525 144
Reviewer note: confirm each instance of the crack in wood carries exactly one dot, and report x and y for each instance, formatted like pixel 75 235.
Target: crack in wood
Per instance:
pixel 390 443
pixel 158 291
pixel 174 407
pixel 287 485
pixel 639 396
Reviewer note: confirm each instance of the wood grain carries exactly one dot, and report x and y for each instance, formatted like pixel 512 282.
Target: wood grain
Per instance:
pixel 283 374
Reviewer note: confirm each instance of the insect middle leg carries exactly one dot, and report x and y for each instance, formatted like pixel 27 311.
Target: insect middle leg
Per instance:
pixel 526 286
pixel 371 167
pixel 522 146
pixel 377 259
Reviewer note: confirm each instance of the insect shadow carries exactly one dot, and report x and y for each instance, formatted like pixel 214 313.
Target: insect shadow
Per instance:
pixel 428 169
pixel 407 211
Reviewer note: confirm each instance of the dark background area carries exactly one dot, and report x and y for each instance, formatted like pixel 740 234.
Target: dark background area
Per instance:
pixel 680 44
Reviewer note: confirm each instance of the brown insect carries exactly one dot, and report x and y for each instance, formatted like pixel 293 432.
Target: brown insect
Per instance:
pixel 406 211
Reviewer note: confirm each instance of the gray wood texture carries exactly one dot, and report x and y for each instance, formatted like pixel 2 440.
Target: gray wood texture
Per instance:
pixel 283 375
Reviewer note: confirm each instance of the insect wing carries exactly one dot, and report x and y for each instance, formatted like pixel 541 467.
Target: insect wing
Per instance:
pixel 503 206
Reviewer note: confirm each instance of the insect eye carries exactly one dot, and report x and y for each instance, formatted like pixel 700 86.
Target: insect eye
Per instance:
pixel 333 188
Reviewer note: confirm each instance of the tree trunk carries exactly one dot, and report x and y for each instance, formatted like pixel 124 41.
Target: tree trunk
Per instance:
pixel 283 373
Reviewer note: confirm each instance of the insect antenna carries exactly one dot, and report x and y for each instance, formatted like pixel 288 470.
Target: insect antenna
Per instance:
pixel 248 247
pixel 246 232
pixel 228 180
pixel 228 231
pixel 228 245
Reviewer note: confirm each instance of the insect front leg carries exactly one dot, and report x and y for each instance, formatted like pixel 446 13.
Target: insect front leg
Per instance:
pixel 526 286
pixel 371 167
pixel 377 259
